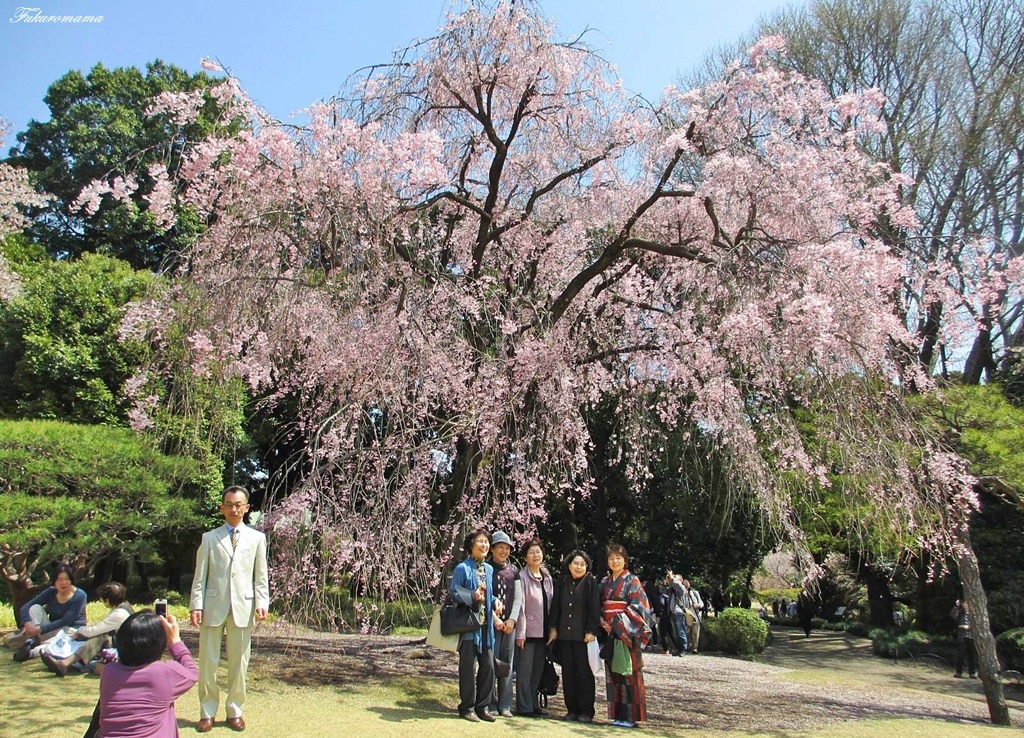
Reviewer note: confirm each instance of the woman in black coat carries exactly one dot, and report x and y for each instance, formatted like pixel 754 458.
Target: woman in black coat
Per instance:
pixel 575 619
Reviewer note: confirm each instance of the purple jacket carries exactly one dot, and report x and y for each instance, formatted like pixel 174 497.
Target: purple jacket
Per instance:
pixel 533 617
pixel 138 701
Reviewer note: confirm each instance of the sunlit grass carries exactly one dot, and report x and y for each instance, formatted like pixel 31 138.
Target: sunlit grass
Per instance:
pixel 38 704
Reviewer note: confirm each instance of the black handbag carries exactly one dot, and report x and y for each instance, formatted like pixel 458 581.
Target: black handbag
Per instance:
pixel 548 679
pixel 457 618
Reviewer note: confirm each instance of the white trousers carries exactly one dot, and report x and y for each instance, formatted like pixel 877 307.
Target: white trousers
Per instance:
pixel 239 643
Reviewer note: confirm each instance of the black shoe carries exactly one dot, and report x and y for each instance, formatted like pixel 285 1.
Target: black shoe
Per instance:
pixel 24 651
pixel 485 716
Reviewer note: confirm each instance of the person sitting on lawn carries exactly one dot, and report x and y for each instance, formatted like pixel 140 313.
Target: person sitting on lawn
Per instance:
pixel 92 639
pixel 45 615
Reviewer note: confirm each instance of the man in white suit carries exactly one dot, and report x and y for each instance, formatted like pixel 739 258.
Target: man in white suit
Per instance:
pixel 230 592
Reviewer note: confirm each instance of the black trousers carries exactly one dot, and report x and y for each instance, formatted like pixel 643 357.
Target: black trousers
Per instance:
pixel 964 652
pixel 578 685
pixel 475 689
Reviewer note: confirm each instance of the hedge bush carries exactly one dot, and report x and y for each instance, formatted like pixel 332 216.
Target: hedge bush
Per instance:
pixel 1010 647
pixel 909 643
pixel 737 631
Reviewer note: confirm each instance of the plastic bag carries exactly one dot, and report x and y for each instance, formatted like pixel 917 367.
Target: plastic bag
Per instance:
pixel 622 660
pixel 594 657
pixel 61 645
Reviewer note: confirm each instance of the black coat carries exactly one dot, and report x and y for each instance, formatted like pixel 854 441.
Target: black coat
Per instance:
pixel 576 610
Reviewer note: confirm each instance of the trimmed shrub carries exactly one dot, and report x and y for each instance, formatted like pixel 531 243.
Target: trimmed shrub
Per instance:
pixel 1010 647
pixel 737 631
pixel 857 629
pixel 911 643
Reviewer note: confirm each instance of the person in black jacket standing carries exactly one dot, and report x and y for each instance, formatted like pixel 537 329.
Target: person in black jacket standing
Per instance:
pixel 575 619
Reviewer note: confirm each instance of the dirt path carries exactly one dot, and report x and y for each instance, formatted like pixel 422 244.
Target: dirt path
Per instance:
pixel 798 683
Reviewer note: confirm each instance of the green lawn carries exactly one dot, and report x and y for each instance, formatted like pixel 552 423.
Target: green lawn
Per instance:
pixel 38 705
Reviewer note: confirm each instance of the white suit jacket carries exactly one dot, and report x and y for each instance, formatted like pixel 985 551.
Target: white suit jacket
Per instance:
pixel 229 581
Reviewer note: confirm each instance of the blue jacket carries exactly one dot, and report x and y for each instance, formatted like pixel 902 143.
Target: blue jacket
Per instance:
pixel 70 614
pixel 464 584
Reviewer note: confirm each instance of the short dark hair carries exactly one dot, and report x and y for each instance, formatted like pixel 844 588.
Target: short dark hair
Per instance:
pixel 141 639
pixel 531 543
pixel 113 592
pixel 572 555
pixel 235 488
pixel 467 545
pixel 64 569
pixel 617 548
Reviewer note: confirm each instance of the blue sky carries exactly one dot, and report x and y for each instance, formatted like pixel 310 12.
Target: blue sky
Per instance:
pixel 288 55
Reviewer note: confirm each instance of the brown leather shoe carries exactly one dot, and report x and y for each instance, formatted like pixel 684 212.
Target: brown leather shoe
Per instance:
pixel 57 667
pixel 205 725
pixel 237 723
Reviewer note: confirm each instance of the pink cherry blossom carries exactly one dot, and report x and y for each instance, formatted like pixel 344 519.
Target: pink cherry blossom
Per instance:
pixel 469 249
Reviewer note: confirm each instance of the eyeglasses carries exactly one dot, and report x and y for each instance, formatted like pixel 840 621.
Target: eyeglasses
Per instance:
pixel 236 505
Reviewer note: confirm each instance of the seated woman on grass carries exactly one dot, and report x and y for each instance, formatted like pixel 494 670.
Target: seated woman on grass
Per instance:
pixel 90 640
pixel 43 617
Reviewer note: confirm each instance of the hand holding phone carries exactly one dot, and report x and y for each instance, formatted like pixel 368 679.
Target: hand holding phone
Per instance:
pixel 160 607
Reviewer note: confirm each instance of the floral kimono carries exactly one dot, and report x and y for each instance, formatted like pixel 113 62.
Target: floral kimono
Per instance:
pixel 625 606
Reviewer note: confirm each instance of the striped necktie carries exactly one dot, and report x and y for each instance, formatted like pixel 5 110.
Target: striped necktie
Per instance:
pixel 234 539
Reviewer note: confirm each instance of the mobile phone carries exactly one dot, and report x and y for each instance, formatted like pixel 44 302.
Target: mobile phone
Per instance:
pixel 160 607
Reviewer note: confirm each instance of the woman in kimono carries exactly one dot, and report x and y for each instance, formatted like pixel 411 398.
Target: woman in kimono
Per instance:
pixel 624 614
pixel 472 585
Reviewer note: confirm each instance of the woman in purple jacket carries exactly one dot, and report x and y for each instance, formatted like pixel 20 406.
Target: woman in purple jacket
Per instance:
pixel 137 694
pixel 532 629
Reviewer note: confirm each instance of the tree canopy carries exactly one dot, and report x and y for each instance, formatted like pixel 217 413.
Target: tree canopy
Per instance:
pixel 101 129
pixel 476 243
pixel 88 494
pixel 952 121
pixel 59 337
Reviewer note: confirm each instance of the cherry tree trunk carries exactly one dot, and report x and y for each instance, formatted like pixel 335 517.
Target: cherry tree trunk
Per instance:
pixel 984 641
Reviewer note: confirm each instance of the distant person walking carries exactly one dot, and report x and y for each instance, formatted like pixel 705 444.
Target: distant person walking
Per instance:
pixel 806 609
pixel 693 611
pixel 961 614
pixel 230 592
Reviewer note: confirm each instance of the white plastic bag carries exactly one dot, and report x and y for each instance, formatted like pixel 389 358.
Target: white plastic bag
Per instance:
pixel 594 656
pixel 61 645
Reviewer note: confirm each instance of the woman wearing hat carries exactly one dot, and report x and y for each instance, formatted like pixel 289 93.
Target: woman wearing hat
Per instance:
pixel 508 602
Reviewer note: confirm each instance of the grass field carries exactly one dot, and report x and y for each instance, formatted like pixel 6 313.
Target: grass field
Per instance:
pixel 38 705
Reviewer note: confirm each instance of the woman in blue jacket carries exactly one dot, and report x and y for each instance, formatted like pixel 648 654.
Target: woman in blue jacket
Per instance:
pixel 42 617
pixel 472 585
